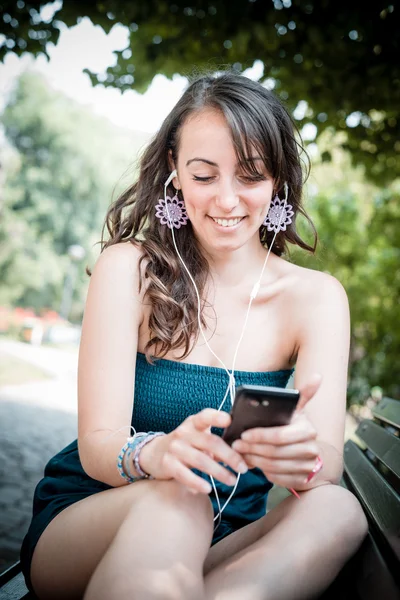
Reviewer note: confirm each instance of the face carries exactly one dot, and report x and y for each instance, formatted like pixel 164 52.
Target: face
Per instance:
pixel 225 205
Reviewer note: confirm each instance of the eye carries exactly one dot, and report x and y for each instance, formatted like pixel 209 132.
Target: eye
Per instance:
pixel 253 178
pixel 206 179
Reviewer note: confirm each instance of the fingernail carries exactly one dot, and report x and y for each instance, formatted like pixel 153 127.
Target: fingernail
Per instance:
pixel 236 445
pixel 246 436
pixel 242 468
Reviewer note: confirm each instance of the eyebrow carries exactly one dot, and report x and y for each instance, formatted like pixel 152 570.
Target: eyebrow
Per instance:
pixel 213 164
pixel 208 162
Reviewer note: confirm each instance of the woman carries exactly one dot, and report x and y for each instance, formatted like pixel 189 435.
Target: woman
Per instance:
pixel 228 163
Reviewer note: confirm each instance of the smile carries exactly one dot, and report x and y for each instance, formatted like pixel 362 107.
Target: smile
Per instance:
pixel 228 222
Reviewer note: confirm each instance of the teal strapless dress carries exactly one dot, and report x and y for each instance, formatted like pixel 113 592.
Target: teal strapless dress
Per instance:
pixel 165 394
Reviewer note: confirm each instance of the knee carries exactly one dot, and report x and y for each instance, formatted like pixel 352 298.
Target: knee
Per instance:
pixel 350 525
pixel 356 523
pixel 174 496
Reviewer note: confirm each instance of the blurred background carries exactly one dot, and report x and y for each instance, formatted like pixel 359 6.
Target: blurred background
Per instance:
pixel 83 86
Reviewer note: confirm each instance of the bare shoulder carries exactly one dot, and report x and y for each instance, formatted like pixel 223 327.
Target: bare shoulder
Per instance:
pixel 119 263
pixel 125 255
pixel 316 308
pixel 115 280
pixel 310 288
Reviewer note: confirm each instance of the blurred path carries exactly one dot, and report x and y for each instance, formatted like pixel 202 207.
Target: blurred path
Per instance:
pixel 36 421
pixel 60 392
pixel 53 360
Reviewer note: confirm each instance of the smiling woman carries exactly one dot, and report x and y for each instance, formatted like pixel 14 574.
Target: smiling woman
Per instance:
pixel 195 243
pixel 234 146
pixel 222 196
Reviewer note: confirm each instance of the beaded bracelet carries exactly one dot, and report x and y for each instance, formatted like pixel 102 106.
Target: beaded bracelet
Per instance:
pixel 134 445
pixel 131 450
pixel 150 436
pixel 128 447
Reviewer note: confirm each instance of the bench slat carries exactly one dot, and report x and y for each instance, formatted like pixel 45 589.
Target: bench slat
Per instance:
pixel 15 589
pixel 382 443
pixel 12 584
pixel 388 411
pixel 380 501
pixel 373 577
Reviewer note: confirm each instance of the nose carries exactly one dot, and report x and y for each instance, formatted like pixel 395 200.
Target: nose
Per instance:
pixel 227 197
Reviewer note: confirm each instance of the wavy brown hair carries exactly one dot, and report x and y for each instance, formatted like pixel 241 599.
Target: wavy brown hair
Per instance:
pixel 257 120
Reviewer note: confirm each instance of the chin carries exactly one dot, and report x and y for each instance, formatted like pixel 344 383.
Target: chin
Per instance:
pixel 222 246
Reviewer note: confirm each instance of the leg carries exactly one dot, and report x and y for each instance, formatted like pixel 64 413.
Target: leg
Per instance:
pixel 111 543
pixel 159 552
pixel 298 555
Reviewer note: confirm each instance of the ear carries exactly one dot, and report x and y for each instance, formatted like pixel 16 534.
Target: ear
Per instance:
pixel 172 166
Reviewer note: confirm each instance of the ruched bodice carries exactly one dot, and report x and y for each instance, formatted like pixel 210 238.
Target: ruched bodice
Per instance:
pixel 169 391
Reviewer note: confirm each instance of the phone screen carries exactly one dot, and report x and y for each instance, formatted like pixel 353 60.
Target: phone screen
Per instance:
pixel 260 406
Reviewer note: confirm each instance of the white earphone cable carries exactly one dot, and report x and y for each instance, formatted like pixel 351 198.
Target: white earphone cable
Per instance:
pixel 231 385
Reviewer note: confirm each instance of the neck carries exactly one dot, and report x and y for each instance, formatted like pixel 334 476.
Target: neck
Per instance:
pixel 240 267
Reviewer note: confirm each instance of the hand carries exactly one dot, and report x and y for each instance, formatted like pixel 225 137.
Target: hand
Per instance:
pixel 192 445
pixel 285 454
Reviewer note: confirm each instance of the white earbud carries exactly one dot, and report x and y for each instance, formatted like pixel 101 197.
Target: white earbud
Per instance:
pixel 286 188
pixel 170 178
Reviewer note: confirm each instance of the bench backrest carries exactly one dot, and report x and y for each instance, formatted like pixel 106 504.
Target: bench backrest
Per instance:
pixel 372 473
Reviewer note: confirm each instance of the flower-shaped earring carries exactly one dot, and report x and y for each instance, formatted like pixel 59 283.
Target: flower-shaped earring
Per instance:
pixel 171 211
pixel 279 215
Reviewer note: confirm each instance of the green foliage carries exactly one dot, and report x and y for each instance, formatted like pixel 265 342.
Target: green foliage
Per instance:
pixel 340 57
pixel 359 244
pixel 59 184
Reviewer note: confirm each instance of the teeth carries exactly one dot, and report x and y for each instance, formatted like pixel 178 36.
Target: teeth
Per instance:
pixel 228 222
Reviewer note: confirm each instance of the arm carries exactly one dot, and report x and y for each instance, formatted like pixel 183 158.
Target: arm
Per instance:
pixel 324 341
pixel 288 453
pixel 107 358
pixel 106 374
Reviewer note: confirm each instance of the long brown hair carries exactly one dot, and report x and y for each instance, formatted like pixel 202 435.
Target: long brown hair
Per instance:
pixel 257 120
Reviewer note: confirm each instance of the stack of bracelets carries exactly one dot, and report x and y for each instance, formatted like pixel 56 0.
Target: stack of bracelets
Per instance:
pixel 134 445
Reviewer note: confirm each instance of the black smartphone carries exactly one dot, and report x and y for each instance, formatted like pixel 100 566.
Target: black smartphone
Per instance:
pixel 260 406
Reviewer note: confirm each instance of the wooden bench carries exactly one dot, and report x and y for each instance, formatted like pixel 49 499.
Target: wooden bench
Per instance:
pixel 372 473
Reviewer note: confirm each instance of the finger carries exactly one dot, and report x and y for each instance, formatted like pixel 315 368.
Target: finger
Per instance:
pixel 294 433
pixel 212 445
pixel 281 467
pixel 286 481
pixel 194 458
pixel 309 390
pixel 210 417
pixel 184 475
pixel 302 451
pixel 217 448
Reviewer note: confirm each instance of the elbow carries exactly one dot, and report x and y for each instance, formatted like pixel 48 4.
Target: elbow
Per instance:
pixel 87 458
pixel 97 465
pixel 87 464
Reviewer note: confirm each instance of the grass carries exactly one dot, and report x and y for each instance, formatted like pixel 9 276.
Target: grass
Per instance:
pixel 14 371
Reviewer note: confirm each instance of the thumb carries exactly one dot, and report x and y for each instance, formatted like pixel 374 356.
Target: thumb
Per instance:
pixel 309 390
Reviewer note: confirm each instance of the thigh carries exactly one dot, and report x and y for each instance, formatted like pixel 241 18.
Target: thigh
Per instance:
pixel 75 541
pixel 317 508
pixel 244 537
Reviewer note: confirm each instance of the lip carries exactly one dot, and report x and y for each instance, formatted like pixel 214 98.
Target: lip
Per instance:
pixel 222 228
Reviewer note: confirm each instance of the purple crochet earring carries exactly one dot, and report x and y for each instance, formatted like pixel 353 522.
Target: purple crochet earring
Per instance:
pixel 280 213
pixel 171 211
